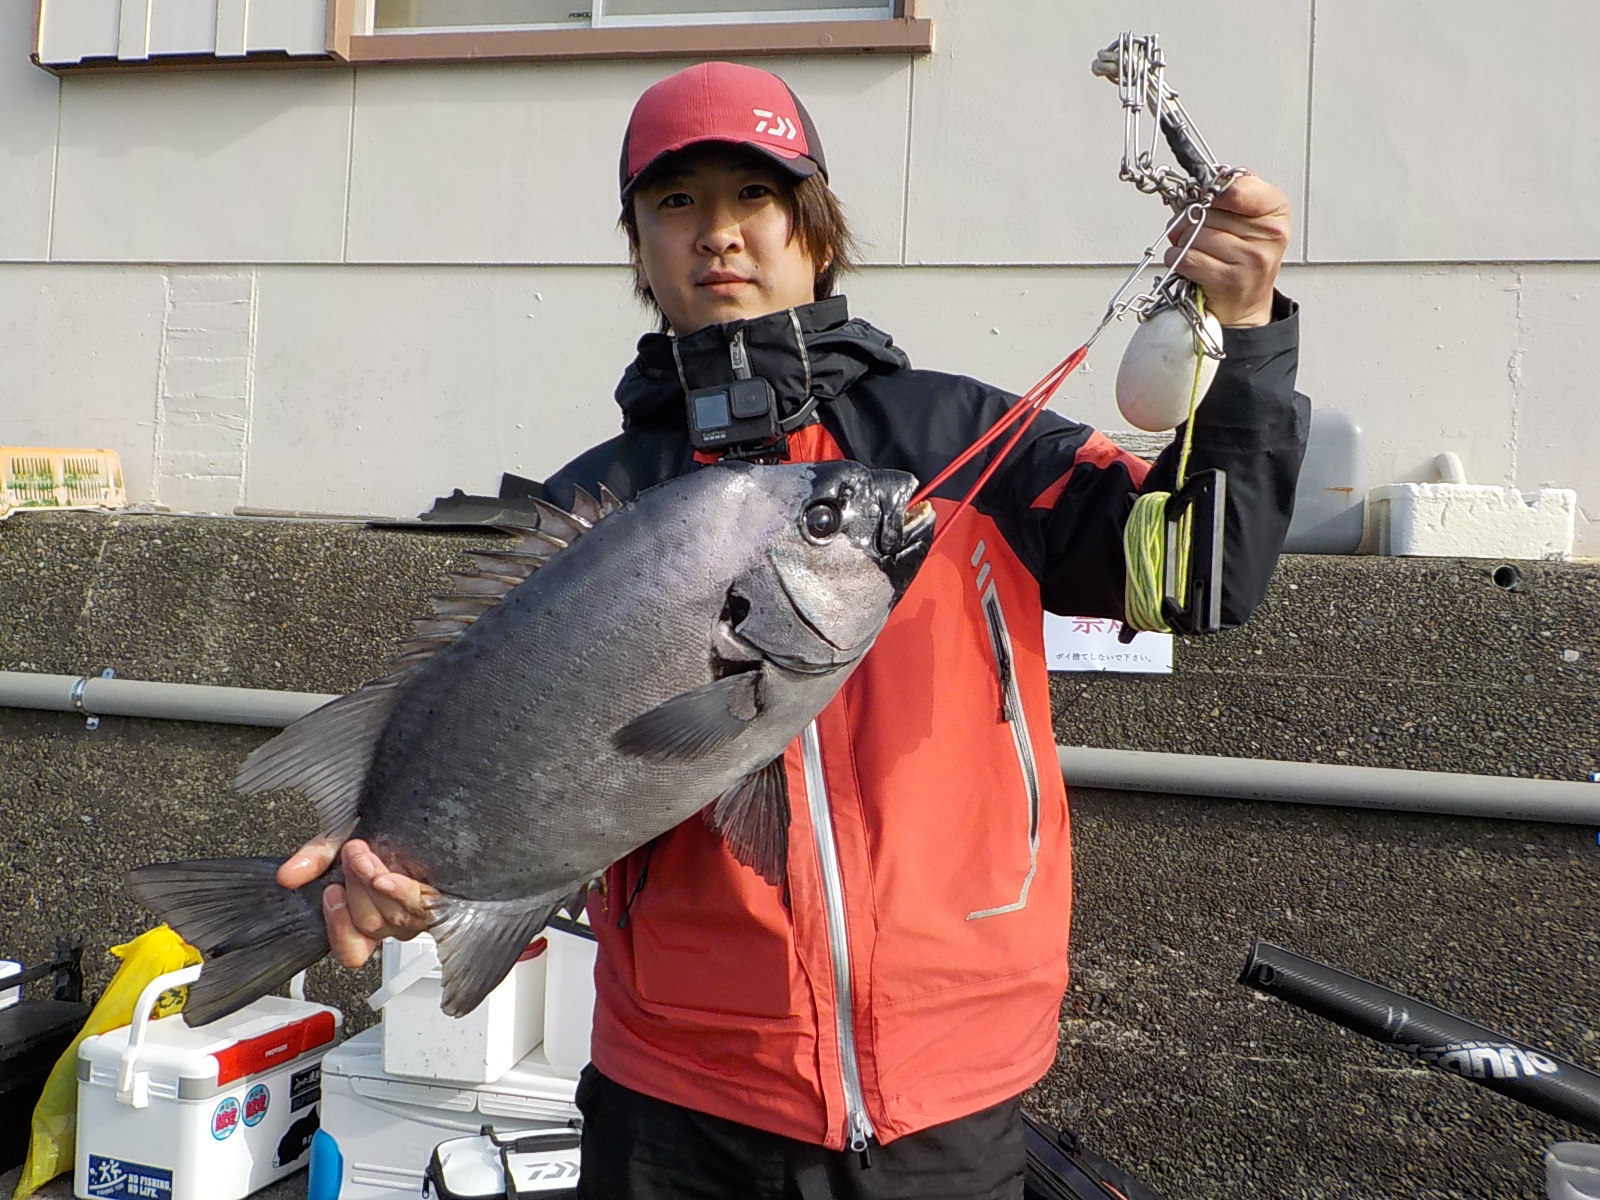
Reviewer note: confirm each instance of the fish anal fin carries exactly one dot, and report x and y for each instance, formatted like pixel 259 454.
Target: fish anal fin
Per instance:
pixel 326 754
pixel 480 941
pixel 696 723
pixel 753 818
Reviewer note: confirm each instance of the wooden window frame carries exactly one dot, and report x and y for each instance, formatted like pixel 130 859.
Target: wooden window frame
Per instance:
pixel 904 33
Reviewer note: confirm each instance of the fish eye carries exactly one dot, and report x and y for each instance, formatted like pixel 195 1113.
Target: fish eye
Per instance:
pixel 822 520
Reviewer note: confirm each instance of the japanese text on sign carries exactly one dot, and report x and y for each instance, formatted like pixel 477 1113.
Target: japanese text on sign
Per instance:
pixel 1091 644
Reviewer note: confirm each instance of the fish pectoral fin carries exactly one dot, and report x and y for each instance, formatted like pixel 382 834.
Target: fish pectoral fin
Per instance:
pixel 753 818
pixel 696 723
pixel 480 941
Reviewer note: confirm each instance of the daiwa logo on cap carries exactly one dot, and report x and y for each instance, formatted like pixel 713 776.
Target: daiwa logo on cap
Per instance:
pixel 781 126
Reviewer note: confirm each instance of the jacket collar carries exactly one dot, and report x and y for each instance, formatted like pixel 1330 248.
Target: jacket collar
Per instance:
pixel 817 350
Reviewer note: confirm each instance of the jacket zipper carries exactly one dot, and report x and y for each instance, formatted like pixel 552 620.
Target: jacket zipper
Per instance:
pixel 858 1126
pixel 1012 713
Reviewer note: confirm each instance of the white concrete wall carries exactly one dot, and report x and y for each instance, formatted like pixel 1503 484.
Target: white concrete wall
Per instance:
pixel 352 291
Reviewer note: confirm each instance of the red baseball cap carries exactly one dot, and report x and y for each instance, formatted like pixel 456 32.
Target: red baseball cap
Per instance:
pixel 721 102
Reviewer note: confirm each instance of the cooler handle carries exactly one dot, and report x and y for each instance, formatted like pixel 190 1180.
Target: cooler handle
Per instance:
pixel 133 1087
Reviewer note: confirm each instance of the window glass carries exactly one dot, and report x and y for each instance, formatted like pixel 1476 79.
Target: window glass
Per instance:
pixel 418 15
pixel 414 15
pixel 795 9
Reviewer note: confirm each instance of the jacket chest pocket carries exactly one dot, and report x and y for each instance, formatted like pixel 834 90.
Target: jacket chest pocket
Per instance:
pixel 708 934
pixel 1015 719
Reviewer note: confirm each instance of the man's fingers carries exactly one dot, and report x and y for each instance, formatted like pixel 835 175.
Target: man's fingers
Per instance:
pixel 1252 196
pixel 383 903
pixel 347 943
pixel 308 863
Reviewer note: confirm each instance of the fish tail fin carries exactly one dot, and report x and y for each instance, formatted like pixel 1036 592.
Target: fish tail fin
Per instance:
pixel 252 933
pixel 481 940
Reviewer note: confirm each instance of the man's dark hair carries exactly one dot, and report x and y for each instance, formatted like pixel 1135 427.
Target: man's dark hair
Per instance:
pixel 815 217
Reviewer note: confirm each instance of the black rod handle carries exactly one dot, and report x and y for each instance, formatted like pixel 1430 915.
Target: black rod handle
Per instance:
pixel 1526 1073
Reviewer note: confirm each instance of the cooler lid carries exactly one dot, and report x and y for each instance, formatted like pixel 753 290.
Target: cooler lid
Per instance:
pixel 530 1088
pixel 260 1037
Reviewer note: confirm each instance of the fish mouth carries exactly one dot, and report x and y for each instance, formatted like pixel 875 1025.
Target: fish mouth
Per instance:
pixel 904 537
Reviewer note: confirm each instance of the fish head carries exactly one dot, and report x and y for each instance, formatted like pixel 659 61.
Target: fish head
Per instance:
pixel 835 564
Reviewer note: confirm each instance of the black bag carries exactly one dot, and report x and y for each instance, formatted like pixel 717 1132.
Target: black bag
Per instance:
pixel 1059 1168
pixel 33 1035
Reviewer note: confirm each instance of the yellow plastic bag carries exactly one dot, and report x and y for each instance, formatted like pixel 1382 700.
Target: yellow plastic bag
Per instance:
pixel 55 1119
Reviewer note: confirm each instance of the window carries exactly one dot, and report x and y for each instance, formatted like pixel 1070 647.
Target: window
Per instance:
pixel 437 16
pixel 128 34
pixel 372 31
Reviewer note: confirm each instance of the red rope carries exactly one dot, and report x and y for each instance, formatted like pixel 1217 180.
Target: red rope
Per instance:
pixel 1020 414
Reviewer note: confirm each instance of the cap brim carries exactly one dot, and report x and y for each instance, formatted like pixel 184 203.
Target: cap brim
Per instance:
pixel 796 164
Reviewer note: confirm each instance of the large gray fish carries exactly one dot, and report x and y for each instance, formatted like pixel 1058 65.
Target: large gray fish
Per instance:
pixel 621 669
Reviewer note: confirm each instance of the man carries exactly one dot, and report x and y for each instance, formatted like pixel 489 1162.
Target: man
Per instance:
pixel 868 1030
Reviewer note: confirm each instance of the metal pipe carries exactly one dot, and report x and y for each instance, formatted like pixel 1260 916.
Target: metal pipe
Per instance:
pixel 100 696
pixel 1081 766
pixel 1568 802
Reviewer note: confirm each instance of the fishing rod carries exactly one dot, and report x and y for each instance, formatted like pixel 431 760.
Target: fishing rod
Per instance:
pixel 1173 540
pixel 1459 1047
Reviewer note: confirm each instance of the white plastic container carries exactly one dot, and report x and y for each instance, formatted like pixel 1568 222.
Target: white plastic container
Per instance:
pixel 1572 1171
pixel 568 1001
pixel 166 1112
pixel 9 996
pixel 379 1131
pixel 421 1042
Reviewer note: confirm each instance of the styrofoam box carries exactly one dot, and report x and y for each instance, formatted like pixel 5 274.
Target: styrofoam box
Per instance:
pixel 215 1113
pixel 385 1128
pixel 9 996
pixel 1463 520
pixel 419 1040
pixel 568 1001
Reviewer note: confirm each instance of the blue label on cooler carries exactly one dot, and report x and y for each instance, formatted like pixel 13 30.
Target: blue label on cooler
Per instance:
pixel 118 1179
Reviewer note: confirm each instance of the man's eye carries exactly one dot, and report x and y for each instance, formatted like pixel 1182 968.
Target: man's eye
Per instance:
pixel 754 191
pixel 676 200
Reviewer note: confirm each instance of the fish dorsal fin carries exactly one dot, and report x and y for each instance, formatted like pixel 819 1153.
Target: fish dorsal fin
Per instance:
pixel 499 572
pixel 753 818
pixel 585 506
pixel 326 754
pixel 564 524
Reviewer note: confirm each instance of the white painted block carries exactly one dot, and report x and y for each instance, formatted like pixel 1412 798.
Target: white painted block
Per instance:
pixel 1464 520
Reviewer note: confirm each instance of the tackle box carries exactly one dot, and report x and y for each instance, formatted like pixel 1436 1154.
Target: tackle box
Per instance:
pixel 215 1112
pixel 34 1034
pixel 379 1130
pixel 540 1164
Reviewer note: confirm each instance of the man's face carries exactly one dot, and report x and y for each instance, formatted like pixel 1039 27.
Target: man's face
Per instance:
pixel 715 239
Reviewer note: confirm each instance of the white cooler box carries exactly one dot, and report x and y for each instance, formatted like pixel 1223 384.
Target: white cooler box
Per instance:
pixel 420 1041
pixel 379 1130
pixel 166 1112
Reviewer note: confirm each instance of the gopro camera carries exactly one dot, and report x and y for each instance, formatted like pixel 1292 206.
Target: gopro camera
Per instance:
pixel 736 419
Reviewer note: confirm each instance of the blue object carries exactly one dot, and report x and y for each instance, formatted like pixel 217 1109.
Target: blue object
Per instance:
pixel 326 1176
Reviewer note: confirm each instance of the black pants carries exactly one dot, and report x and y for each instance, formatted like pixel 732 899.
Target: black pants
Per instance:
pixel 638 1148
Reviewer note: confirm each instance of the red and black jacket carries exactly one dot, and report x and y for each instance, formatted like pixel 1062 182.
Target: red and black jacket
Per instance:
pixel 912 970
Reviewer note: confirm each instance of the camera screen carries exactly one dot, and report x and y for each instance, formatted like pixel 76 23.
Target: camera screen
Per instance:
pixel 711 411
